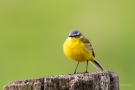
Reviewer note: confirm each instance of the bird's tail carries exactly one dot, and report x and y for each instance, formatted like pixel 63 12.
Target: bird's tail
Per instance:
pixel 97 65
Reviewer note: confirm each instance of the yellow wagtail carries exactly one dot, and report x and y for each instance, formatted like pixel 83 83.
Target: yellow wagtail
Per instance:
pixel 79 48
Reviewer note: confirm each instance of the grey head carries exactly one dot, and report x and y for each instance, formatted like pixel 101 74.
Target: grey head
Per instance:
pixel 75 34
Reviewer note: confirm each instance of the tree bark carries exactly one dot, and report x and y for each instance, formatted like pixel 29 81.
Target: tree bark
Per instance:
pixel 104 80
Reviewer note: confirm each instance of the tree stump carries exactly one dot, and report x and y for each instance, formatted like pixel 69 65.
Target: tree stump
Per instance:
pixel 104 80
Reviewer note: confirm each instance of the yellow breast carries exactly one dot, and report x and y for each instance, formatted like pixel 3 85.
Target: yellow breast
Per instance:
pixel 75 49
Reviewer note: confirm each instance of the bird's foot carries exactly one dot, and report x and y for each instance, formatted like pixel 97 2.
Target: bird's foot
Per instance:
pixel 86 72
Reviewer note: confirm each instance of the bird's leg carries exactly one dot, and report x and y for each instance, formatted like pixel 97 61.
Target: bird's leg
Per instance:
pixel 86 66
pixel 76 68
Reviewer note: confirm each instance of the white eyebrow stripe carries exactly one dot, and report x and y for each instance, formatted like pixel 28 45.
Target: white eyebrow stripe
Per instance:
pixel 77 33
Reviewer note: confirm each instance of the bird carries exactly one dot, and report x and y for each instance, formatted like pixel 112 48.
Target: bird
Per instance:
pixel 79 48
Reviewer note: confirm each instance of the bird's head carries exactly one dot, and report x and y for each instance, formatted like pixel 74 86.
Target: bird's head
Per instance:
pixel 75 34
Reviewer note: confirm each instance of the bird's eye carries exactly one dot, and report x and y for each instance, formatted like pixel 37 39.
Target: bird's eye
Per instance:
pixel 76 36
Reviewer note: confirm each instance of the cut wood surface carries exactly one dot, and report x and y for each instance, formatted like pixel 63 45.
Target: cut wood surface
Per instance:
pixel 104 80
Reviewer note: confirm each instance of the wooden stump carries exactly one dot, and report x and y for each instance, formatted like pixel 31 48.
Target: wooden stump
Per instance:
pixel 85 81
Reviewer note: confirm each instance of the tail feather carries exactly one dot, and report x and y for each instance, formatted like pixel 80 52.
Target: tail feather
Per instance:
pixel 97 65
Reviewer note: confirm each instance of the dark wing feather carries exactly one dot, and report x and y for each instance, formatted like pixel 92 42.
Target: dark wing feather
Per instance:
pixel 88 44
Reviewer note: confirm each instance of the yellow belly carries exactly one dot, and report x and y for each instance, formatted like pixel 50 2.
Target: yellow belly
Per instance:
pixel 76 50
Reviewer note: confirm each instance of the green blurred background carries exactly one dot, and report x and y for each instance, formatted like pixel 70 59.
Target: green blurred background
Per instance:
pixel 32 35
